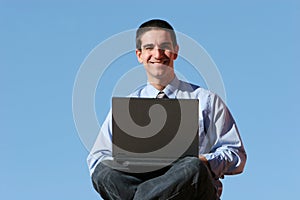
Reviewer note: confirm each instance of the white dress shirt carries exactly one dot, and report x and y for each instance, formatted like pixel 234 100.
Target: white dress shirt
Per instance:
pixel 219 139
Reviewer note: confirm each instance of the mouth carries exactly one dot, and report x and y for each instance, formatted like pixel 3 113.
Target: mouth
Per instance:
pixel 163 62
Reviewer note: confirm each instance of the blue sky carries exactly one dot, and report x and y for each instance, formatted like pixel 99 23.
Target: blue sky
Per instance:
pixel 43 44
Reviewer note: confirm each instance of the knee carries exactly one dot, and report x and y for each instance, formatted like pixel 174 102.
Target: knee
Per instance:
pixel 100 174
pixel 97 175
pixel 195 164
pixel 192 161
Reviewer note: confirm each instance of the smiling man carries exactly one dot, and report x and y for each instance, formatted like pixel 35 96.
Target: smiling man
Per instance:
pixel 157 53
pixel 221 151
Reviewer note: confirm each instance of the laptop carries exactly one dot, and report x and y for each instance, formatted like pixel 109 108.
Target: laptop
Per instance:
pixel 150 133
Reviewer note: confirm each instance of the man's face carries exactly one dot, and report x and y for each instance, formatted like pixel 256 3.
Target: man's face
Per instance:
pixel 157 54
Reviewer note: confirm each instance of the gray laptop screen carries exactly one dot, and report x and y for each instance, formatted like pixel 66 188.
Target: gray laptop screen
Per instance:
pixel 154 128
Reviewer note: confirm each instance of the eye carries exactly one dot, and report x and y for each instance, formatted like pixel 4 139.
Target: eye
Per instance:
pixel 148 47
pixel 165 47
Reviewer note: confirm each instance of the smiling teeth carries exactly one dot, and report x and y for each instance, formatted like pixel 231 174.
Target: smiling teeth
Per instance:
pixel 164 62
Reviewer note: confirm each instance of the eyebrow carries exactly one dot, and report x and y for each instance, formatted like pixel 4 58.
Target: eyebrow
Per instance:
pixel 148 45
pixel 163 44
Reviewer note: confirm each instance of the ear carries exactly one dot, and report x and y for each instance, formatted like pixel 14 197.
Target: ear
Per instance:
pixel 138 54
pixel 176 49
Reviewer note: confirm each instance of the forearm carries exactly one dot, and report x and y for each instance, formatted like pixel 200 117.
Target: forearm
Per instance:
pixel 226 155
pixel 102 148
pixel 225 161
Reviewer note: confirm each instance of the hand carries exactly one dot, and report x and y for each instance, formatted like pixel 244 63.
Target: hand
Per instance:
pixel 203 159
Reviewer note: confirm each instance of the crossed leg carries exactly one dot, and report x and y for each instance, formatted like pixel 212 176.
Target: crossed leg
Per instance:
pixel 188 178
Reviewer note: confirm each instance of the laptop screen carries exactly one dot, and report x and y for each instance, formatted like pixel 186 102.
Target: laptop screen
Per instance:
pixel 154 128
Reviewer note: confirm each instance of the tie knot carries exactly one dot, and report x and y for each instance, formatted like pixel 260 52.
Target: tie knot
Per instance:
pixel 161 95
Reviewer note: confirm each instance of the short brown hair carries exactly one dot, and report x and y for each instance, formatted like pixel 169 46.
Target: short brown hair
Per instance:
pixel 154 24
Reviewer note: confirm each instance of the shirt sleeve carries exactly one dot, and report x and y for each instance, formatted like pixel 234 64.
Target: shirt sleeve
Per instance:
pixel 102 149
pixel 227 155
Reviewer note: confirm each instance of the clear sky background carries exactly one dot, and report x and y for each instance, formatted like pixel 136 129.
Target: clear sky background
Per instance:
pixel 255 45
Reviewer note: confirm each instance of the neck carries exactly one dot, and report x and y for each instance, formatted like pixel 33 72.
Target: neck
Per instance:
pixel 160 84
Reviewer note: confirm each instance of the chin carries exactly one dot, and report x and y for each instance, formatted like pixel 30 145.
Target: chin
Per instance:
pixel 159 73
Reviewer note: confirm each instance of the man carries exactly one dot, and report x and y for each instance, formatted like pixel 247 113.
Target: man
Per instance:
pixel 221 151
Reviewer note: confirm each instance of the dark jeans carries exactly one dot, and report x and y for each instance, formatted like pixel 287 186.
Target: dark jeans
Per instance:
pixel 188 178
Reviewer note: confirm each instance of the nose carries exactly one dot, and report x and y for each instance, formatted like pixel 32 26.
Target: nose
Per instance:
pixel 158 53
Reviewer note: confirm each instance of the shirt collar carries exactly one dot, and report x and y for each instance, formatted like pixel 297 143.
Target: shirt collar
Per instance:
pixel 170 90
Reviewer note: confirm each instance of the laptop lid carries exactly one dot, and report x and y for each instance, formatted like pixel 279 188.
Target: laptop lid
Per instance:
pixel 154 128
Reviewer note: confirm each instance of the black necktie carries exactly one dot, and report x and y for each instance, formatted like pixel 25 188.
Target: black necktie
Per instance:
pixel 162 95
